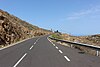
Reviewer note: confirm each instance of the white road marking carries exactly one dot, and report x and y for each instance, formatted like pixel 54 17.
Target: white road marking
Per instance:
pixel 36 40
pixel 51 42
pixel 31 47
pixel 20 60
pixel 14 44
pixel 35 43
pixel 56 47
pixel 60 51
pixel 66 58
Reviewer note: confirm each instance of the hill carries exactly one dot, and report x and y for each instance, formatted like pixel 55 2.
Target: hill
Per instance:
pixel 90 39
pixel 13 29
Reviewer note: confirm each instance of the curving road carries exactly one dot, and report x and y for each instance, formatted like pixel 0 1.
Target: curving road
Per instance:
pixel 41 52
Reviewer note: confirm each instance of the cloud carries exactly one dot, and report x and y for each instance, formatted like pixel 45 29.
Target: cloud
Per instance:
pixel 82 13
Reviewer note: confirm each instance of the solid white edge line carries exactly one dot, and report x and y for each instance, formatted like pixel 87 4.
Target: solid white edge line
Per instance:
pixel 20 60
pixel 60 51
pixel 66 58
pixel 31 47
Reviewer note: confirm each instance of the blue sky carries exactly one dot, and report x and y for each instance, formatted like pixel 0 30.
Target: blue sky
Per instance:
pixel 77 17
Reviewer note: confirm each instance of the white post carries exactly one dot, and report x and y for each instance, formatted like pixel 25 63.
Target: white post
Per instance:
pixel 71 45
pixel 97 53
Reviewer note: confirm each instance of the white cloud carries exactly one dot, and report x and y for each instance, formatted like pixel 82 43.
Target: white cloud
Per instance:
pixel 78 15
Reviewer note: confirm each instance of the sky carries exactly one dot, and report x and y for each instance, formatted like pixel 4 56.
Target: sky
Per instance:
pixel 76 17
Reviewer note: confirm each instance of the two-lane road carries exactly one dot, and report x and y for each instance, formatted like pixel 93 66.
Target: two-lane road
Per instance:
pixel 41 52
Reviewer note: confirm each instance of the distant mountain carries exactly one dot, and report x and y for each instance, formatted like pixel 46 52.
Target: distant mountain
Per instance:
pixel 13 29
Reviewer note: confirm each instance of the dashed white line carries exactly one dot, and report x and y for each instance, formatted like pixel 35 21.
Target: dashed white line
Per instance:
pixel 51 42
pixel 56 47
pixel 60 51
pixel 66 58
pixel 36 40
pixel 20 60
pixel 35 43
pixel 31 47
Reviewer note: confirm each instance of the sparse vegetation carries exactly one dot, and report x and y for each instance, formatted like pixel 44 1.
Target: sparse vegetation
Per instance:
pixel 56 36
pixel 92 40
pixel 13 29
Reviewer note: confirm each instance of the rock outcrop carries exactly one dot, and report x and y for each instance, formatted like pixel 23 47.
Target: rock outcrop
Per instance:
pixel 91 39
pixel 13 29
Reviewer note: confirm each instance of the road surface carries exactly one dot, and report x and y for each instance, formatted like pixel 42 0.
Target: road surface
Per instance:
pixel 41 52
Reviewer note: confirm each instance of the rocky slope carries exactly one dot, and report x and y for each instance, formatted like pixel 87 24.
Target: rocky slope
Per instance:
pixel 91 39
pixel 13 29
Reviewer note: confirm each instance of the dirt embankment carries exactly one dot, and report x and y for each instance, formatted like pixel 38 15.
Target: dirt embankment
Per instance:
pixel 90 40
pixel 13 29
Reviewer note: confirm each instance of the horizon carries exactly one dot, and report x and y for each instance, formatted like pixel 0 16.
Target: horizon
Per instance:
pixel 72 17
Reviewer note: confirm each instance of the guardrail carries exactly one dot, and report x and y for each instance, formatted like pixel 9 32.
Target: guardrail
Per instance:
pixel 97 48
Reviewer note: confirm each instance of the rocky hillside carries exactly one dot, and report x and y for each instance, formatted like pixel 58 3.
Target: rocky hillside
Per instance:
pixel 91 39
pixel 13 29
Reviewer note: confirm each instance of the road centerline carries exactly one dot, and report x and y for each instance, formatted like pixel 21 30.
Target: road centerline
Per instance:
pixel 20 60
pixel 36 40
pixel 31 47
pixel 67 58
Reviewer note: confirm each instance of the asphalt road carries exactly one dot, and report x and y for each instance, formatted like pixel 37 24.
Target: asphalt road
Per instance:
pixel 40 52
